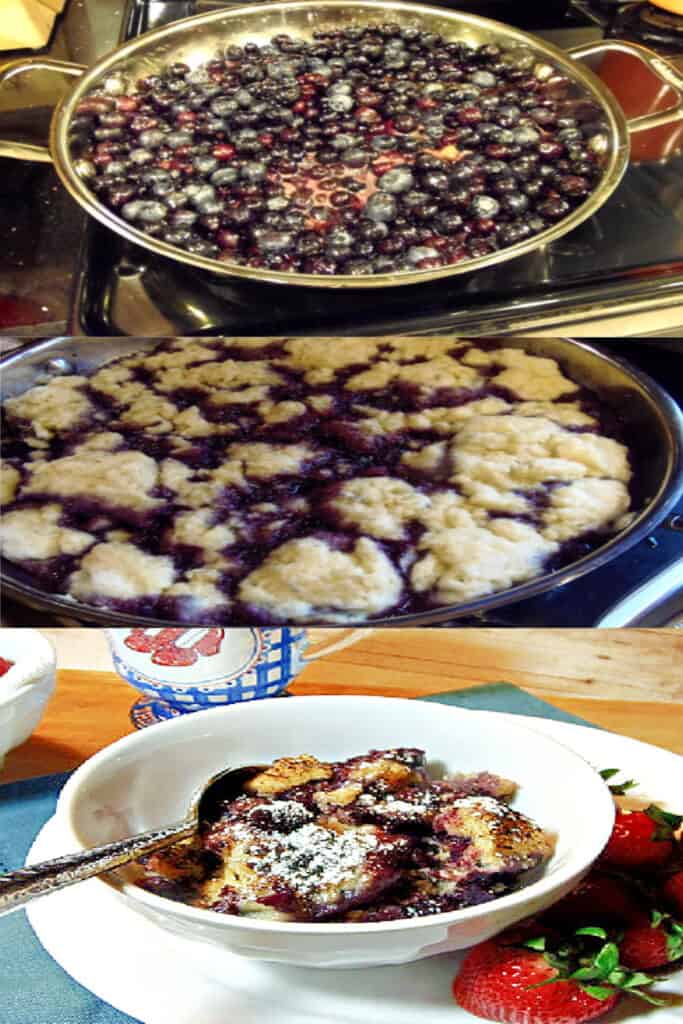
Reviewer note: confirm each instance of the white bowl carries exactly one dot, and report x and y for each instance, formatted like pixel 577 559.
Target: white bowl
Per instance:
pixel 26 688
pixel 148 779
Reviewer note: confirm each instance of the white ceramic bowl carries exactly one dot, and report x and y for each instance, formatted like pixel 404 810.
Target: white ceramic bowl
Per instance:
pixel 147 780
pixel 26 688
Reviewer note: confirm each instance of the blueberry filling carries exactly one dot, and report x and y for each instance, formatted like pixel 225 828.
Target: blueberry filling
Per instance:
pixel 369 839
pixel 362 151
pixel 400 465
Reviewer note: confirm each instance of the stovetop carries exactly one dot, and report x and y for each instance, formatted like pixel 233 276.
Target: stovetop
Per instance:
pixel 626 260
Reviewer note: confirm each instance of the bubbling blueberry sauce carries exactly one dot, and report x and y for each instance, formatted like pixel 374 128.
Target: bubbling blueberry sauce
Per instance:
pixel 365 150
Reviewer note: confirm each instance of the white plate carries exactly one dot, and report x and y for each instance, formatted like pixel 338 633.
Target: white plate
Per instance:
pixel 155 977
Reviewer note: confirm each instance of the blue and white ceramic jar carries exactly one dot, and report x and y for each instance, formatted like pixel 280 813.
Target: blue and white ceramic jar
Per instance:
pixel 200 667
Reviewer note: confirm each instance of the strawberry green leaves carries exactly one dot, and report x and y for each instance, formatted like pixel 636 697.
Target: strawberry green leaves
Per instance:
pixel 619 788
pixel 667 823
pixel 591 959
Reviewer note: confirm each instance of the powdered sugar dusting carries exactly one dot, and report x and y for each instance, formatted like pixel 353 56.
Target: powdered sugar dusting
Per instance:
pixel 282 815
pixel 312 857
pixel 488 804
pixel 372 838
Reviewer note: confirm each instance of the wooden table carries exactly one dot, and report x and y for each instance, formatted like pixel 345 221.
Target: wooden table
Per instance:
pixel 628 681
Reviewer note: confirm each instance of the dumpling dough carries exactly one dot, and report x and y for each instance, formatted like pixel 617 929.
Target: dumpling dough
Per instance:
pixel 121 571
pixel 585 505
pixel 468 561
pixel 229 375
pixel 530 377
pixel 197 529
pixel 117 479
pixel 52 408
pixel 199 592
pixel 10 479
pixel 441 419
pixel 259 461
pixel 320 358
pixel 379 505
pixel 493 458
pixel 305 579
pixel 428 376
pixel 34 533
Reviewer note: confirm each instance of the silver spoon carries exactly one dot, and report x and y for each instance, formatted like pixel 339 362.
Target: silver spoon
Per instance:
pixel 19 887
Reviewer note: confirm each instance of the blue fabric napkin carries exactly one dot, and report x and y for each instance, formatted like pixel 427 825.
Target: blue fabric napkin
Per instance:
pixel 33 987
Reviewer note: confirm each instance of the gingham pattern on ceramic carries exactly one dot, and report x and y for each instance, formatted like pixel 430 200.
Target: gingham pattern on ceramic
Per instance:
pixel 282 651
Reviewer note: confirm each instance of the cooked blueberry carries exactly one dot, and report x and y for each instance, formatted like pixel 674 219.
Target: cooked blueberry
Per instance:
pixel 381 207
pixel 514 203
pixel 272 241
pixel 417 253
pixel 340 102
pixel 225 176
pixel 253 171
pixel 151 212
pixel 399 179
pixel 526 136
pixel 553 209
pixel 485 206
pixel 449 222
pixel 286 130
pixel 483 78
pixel 574 185
pixel 435 181
pixel 205 164
pixel 140 156
pixel 177 139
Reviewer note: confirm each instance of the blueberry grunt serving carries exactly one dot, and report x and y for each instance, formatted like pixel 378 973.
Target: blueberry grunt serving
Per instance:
pixel 240 480
pixel 365 150
pixel 369 839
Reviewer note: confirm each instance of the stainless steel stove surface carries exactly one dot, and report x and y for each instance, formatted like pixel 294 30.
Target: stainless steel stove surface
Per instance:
pixel 619 273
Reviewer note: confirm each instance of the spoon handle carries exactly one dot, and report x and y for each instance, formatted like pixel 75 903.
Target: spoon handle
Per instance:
pixel 19 887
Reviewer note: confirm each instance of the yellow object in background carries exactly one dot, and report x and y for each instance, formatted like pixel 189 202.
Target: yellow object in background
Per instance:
pixel 675 6
pixel 27 24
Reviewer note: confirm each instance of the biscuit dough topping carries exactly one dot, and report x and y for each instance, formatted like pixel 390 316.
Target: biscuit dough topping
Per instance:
pixel 308 479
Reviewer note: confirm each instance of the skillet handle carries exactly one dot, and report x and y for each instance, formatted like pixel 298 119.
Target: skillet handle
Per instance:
pixel 666 73
pixel 10 70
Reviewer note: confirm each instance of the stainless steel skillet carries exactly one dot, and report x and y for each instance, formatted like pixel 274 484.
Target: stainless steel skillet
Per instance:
pixel 198 39
pixel 653 428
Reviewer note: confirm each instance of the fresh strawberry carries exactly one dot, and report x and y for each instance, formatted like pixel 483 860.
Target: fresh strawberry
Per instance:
pixel 505 983
pixel 651 944
pixel 544 980
pixel 598 898
pixel 641 840
pixel 672 893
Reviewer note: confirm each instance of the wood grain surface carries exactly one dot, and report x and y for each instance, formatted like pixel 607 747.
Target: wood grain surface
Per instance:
pixel 629 681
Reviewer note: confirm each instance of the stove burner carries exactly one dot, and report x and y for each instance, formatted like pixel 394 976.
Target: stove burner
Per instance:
pixel 650 25
pixel 606 5
pixel 661 19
